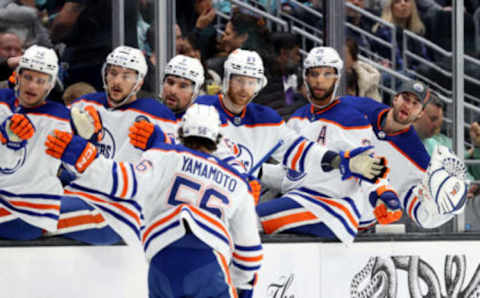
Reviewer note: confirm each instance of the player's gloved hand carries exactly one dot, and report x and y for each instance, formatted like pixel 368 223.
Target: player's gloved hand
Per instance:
pixel 255 186
pixel 256 190
pixel 387 205
pixel 444 181
pixel 87 123
pixel 144 135
pixel 15 131
pixel 71 149
pixel 361 163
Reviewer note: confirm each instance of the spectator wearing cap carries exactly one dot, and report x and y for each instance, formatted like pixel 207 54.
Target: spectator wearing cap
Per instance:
pixel 429 129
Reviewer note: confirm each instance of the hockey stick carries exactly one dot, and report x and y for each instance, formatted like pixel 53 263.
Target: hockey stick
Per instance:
pixel 265 158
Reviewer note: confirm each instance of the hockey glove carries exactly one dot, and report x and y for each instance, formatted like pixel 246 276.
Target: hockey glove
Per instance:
pixel 71 149
pixel 256 189
pixel 87 123
pixel 15 131
pixel 445 181
pixel 361 163
pixel 387 205
pixel 144 135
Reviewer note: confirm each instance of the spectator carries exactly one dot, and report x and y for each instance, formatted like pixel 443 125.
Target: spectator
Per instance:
pixel 11 48
pixel 243 31
pixel 404 15
pixel 429 127
pixel 359 21
pixel 197 16
pixel 24 21
pixel 85 26
pixel 362 78
pixel 191 48
pixel 75 91
pixel 280 92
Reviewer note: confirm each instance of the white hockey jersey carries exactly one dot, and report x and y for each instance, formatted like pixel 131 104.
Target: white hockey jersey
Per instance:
pixel 173 186
pixel 340 204
pixel 257 130
pixel 29 187
pixel 117 121
pixel 407 159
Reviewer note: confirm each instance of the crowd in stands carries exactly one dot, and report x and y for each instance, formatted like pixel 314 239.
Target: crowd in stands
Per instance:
pixel 80 32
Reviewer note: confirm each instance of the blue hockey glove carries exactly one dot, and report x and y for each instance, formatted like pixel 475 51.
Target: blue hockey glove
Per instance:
pixel 361 163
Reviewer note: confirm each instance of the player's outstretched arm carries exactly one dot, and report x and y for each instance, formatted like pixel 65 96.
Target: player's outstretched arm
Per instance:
pixel 15 131
pixel 360 163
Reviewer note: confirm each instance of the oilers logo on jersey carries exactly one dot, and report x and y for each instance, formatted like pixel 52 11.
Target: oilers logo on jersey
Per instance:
pixel 107 147
pixel 15 161
pixel 241 152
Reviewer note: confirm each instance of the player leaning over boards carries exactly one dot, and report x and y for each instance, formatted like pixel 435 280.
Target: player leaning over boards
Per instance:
pixel 200 234
pixel 431 190
pixel 326 206
pixel 30 192
pixel 105 119
pixel 252 130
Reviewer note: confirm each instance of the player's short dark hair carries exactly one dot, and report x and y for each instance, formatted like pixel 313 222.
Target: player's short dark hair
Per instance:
pixel 196 143
pixel 284 41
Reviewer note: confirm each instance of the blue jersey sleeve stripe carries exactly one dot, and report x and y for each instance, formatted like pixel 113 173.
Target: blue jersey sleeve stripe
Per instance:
pixel 304 154
pixel 134 177
pixel 248 248
pixel 115 179
pixel 246 268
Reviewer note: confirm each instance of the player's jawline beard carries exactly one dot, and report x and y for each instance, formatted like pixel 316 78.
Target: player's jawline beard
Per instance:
pixel 324 97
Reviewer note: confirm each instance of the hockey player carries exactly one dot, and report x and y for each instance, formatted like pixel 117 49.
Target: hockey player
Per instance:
pixel 195 208
pixel 413 174
pixel 182 80
pixel 105 118
pixel 30 192
pixel 326 206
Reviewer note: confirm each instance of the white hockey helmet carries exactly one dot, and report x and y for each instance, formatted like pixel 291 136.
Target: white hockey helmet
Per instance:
pixel 201 121
pixel 326 57
pixel 40 59
pixel 245 63
pixel 128 57
pixel 188 68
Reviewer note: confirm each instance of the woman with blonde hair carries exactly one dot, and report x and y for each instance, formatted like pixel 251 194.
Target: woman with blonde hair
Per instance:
pixel 404 15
